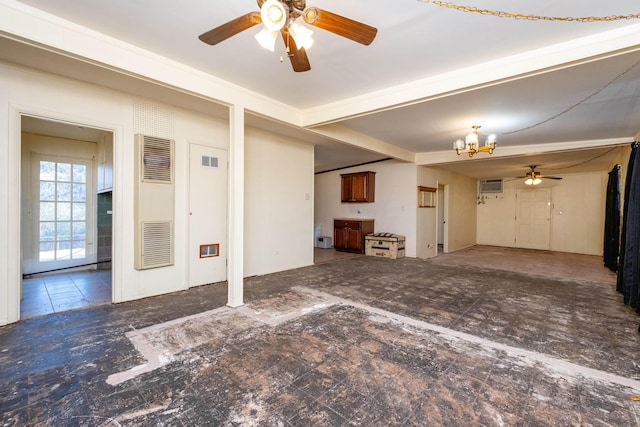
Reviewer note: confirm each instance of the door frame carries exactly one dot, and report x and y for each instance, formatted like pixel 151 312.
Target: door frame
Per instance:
pixel 14 203
pixel 445 216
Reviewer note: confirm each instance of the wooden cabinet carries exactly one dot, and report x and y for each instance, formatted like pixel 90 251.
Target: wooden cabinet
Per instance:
pixel 348 234
pixel 359 187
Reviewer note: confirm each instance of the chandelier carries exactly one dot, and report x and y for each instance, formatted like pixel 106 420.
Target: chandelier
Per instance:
pixel 275 16
pixel 470 143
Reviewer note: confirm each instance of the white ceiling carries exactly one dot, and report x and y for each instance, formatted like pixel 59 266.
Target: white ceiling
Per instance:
pixel 591 95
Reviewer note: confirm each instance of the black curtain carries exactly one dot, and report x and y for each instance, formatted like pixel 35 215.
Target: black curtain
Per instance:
pixel 611 248
pixel 629 262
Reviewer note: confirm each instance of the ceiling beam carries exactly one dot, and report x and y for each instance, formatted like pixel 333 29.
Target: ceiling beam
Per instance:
pixel 450 156
pixel 348 136
pixel 515 67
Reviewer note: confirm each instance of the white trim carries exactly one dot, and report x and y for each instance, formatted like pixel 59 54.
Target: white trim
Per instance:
pixel 235 255
pixel 13 224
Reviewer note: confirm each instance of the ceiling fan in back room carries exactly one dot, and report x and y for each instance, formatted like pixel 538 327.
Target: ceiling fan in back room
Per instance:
pixel 286 17
pixel 534 177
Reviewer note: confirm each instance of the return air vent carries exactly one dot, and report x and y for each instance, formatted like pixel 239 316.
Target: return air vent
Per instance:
pixel 157 154
pixel 491 186
pixel 157 245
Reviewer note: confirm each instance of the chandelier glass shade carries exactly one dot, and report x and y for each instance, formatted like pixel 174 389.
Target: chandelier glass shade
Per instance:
pixel 275 16
pixel 533 178
pixel 470 144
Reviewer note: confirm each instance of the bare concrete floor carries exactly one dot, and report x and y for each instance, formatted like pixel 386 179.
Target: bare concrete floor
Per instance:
pixel 360 341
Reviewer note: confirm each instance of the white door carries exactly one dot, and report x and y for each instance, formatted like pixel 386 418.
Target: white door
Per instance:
pixel 60 222
pixel 207 215
pixel 533 218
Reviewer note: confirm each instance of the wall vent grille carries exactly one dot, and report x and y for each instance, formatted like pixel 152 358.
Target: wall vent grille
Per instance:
pixel 209 162
pixel 154 201
pixel 157 245
pixel 156 159
pixel 491 185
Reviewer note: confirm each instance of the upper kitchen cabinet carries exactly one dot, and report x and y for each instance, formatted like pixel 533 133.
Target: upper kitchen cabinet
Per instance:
pixel 105 163
pixel 359 187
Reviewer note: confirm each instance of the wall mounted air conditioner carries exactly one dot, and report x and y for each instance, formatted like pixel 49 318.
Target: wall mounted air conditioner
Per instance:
pixel 154 202
pixel 491 185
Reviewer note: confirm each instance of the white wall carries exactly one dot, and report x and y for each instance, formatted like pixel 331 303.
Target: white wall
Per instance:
pixel 577 220
pixel 278 201
pixel 280 172
pixel 394 209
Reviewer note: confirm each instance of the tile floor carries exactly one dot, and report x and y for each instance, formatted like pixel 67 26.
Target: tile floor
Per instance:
pixel 53 293
pixel 357 342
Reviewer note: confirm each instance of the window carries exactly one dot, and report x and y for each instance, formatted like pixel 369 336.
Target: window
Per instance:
pixel 62 211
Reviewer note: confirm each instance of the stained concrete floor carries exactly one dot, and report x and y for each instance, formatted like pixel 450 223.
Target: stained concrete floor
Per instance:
pixel 361 341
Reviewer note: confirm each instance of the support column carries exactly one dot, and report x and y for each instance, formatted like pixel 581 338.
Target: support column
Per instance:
pixel 235 269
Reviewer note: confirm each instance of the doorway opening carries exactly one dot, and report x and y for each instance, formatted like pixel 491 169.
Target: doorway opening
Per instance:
pixel 66 216
pixel 442 219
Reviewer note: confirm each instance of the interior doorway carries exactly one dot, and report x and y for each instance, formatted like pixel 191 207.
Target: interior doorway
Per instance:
pixel 442 215
pixel 441 220
pixel 66 216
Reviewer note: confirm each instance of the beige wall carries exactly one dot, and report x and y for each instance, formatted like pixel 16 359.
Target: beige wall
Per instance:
pixel 460 212
pixel 394 210
pixel 278 231
pixel 577 214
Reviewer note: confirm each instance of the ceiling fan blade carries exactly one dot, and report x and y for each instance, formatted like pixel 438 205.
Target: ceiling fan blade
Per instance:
pixel 231 28
pixel 550 177
pixel 298 57
pixel 345 27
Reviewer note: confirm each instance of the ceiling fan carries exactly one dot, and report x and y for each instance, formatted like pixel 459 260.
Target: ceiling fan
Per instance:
pixel 534 178
pixel 284 17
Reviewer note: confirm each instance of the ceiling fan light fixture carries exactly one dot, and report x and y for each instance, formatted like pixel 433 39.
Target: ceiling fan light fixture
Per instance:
pixel 310 15
pixel 267 38
pixel 274 14
pixel 532 180
pixel 301 35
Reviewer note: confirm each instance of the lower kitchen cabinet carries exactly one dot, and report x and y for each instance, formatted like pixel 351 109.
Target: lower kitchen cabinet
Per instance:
pixel 348 234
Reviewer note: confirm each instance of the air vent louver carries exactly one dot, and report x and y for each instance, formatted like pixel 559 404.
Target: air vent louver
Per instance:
pixel 491 186
pixel 157 244
pixel 156 159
